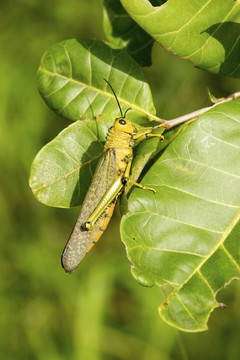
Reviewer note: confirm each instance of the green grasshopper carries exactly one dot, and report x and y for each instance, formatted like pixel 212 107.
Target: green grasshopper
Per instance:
pixel 109 179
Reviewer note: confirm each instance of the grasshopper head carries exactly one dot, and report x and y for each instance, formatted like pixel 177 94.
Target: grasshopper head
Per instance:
pixel 124 125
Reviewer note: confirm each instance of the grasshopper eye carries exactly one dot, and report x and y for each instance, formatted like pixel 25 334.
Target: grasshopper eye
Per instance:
pixel 122 122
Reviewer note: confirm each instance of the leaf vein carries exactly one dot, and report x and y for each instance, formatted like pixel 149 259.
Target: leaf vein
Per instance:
pixel 69 60
pixel 185 307
pixel 206 282
pixel 202 164
pixel 179 221
pixel 56 90
pixel 225 234
pixel 166 250
pixel 195 196
pixel 105 93
pixel 67 155
pixel 220 140
pixel 231 257
pixel 212 35
pixel 65 175
pixel 68 103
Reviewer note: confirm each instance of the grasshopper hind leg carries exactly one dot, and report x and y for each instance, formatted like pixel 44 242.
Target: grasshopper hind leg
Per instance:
pixel 82 241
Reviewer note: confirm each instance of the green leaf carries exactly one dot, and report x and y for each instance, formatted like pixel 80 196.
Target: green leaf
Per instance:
pixel 187 234
pixel 62 170
pixel 205 32
pixel 71 81
pixel 149 150
pixel 123 33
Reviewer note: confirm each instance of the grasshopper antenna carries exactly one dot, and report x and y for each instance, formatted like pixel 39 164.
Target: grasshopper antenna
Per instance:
pixel 116 99
pixel 126 112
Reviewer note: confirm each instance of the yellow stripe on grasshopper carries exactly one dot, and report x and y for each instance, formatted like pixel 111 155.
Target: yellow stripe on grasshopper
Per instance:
pixel 110 195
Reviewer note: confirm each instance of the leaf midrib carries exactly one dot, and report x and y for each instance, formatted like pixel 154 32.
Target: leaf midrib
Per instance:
pixel 212 252
pixel 128 104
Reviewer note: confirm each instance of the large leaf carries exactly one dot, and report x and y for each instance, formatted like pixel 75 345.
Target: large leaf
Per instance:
pixel 62 170
pixel 70 80
pixel 187 234
pixel 123 33
pixel 205 32
pixel 150 149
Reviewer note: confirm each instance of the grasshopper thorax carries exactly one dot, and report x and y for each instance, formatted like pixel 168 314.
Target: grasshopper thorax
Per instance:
pixel 120 134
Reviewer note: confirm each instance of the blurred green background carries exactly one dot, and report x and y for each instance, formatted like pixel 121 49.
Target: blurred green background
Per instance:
pixel 99 312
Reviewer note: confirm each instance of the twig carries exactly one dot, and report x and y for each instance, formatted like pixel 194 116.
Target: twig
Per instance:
pixel 171 123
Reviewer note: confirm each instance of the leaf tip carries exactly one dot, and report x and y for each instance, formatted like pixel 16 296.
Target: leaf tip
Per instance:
pixel 142 278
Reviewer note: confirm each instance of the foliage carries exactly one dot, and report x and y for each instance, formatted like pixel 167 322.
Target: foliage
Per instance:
pixel 123 32
pixel 99 312
pixel 188 229
pixel 204 32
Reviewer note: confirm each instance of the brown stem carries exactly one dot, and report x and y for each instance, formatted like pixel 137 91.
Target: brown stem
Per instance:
pixel 171 123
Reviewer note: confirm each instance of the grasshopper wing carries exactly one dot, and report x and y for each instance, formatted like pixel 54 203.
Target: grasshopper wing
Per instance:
pixel 81 241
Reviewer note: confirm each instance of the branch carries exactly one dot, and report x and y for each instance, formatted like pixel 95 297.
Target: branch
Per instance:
pixel 171 123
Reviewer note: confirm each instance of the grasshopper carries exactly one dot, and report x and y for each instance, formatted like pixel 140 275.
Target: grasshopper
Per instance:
pixel 109 179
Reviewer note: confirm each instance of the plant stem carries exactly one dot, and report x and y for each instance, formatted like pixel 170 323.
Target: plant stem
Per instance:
pixel 171 123
pixel 199 112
